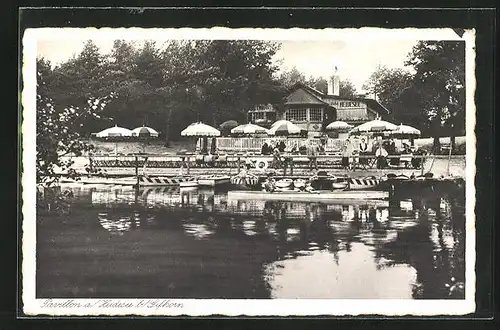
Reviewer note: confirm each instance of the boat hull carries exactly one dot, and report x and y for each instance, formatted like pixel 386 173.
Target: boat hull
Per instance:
pixel 164 181
pixel 213 181
pixel 363 184
pixel 189 184
pixel 308 196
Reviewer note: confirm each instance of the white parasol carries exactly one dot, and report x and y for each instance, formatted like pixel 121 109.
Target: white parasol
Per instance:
pixel 374 126
pixel 248 129
pixel 406 130
pixel 114 131
pixel 338 125
pixel 200 129
pixel 144 131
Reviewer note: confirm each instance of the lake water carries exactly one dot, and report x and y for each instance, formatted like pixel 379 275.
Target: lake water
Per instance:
pixel 165 243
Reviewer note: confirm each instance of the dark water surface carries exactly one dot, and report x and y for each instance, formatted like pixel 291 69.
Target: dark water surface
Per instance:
pixel 200 244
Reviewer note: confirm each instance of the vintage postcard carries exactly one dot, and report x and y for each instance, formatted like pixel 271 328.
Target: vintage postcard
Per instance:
pixel 254 172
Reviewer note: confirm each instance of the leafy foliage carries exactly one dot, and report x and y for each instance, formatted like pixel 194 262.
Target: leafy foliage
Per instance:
pixel 431 96
pixel 293 76
pixel 57 129
pixel 440 73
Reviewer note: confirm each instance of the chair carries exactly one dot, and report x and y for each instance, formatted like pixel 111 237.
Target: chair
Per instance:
pixel 222 161
pixel 406 159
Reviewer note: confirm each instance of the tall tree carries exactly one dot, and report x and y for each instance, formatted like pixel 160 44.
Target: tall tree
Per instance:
pixel 347 89
pixel 80 79
pixel 320 84
pixel 57 134
pixel 290 77
pixel 440 71
pixel 397 91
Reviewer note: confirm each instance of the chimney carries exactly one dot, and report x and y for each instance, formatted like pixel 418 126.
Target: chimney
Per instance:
pixel 334 84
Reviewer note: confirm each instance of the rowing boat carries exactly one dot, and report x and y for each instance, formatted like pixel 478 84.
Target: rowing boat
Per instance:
pixel 213 180
pixel 344 195
pixel 188 184
pixel 128 181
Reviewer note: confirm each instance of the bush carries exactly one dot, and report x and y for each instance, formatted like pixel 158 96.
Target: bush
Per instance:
pixel 53 200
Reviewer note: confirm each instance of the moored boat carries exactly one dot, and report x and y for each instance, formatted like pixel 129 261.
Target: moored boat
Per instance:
pixel 363 183
pixel 188 184
pixel 340 185
pixel 247 181
pixel 284 184
pixel 164 181
pixel 342 195
pixel 213 180
pixel 127 181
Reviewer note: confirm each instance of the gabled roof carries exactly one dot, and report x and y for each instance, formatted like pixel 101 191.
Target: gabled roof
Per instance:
pixel 309 97
pixel 324 98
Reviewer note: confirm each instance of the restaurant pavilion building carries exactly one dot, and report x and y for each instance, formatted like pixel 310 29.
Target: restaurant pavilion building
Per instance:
pixel 312 110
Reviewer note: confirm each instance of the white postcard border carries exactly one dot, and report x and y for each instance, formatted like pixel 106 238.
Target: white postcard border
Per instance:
pixel 232 307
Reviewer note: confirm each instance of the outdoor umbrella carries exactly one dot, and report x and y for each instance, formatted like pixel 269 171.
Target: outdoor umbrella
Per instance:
pixel 248 129
pixel 114 131
pixel 283 127
pixel 374 126
pixel 144 131
pixel 228 125
pixel 405 130
pixel 281 121
pixel 200 129
pixel 338 126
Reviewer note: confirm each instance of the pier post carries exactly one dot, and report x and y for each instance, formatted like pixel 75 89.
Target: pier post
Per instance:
pixel 91 165
pixel 137 171
pixel 422 163
pixel 185 161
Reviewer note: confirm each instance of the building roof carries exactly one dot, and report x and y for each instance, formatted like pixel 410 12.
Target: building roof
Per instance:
pixel 324 98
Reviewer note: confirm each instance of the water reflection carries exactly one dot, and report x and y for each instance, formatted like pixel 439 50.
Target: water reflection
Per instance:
pixel 404 248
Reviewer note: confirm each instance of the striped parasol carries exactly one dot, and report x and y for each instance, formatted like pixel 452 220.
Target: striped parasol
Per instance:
pixel 283 127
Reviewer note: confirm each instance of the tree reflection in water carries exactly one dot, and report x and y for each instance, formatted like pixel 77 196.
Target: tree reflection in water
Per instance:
pixel 427 235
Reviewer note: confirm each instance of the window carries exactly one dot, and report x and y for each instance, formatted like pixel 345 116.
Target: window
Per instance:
pixel 316 115
pixel 296 115
pixel 258 115
pixel 271 116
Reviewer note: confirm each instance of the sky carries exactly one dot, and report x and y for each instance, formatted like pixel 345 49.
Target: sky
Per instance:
pixel 356 58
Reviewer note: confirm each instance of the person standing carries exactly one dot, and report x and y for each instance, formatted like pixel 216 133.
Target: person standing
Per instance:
pixel 277 158
pixel 346 154
pixel 282 146
pixel 363 152
pixel 312 153
pixel 381 155
pixel 354 159
pixel 265 148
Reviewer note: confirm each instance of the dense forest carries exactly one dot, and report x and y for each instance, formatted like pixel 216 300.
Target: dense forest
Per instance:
pixel 169 86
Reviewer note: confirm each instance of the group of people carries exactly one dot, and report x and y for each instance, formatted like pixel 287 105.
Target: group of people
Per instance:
pixel 380 148
pixel 311 149
pixel 354 152
pixel 269 148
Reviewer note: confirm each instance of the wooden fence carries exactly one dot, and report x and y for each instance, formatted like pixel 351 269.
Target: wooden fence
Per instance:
pixel 232 144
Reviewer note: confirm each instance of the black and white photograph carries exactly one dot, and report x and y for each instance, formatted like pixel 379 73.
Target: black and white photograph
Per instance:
pixel 248 171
